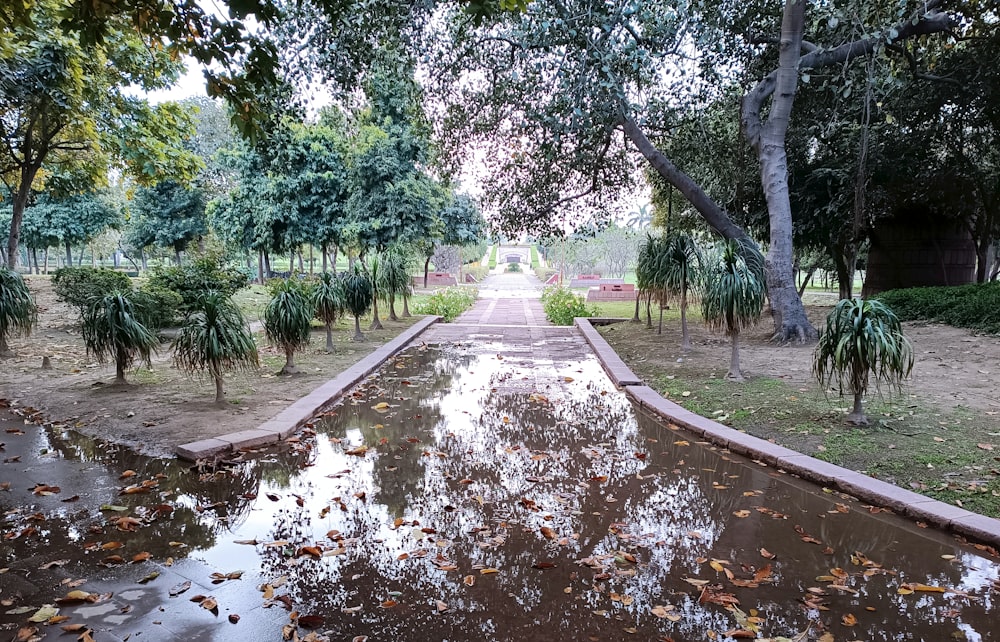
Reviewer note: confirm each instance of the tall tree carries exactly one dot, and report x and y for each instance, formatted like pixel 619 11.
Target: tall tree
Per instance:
pixel 62 100
pixel 168 215
pixel 73 220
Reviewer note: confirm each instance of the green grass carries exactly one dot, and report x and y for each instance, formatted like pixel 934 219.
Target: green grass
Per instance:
pixel 534 258
pixel 493 257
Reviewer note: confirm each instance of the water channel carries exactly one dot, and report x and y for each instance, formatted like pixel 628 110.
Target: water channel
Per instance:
pixel 467 493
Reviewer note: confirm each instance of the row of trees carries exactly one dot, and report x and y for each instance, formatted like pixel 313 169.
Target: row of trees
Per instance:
pixel 862 344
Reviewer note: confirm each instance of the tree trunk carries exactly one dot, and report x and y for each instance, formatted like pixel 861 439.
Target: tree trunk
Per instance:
pixel 302 269
pixel 333 262
pixel 649 311
pixel 322 251
pixel 177 256
pixel 376 322
pixel 119 368
pixel 635 317
pixel 845 260
pixel 427 263
pixel 392 308
pixel 805 282
pixel 19 203
pixel 857 416
pixel 34 258
pixel 357 330
pixel 45 258
pixel 329 337
pixel 735 374
pixel 982 261
pixel 220 394
pixel 291 262
pixel 69 254
pixel 260 268
pixel 93 257
pixel 685 338
pixel 142 259
pixel 289 367
pixel 267 264
pixel 659 328
pixel 406 307
pixel 311 270
pixel 5 350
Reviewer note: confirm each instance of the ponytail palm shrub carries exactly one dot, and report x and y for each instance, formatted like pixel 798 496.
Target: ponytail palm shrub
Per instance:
pixel 329 303
pixel 214 337
pixel 733 293
pixel 396 279
pixel 286 320
pixel 18 314
pixel 678 275
pixel 359 296
pixel 112 329
pixel 862 345
pixel 646 266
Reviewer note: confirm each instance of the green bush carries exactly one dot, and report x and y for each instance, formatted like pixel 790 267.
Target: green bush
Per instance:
pixel 157 306
pixel 974 306
pixel 513 267
pixel 562 305
pixel 544 274
pixel 191 281
pixel 79 286
pixel 534 258
pixel 493 257
pixel 476 270
pixel 448 303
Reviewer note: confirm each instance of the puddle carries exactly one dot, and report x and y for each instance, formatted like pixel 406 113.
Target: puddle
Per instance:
pixel 477 494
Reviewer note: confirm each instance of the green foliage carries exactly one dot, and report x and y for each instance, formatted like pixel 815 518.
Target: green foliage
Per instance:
pixel 974 306
pixel 359 295
pixel 157 306
pixel 288 314
pixel 113 330
pixel 668 266
pixel 18 313
pixel 534 258
pixel 448 303
pixel 863 340
pixel 205 274
pixel 214 338
pixel 328 298
pixel 80 286
pixel 562 305
pixel 169 215
pixel 733 287
pixel 493 257
pixel 68 220
pixel 513 267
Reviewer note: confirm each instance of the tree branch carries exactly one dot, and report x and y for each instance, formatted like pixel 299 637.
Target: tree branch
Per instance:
pixel 922 75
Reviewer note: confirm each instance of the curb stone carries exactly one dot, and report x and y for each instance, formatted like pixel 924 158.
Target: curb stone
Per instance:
pixel 294 416
pixel 874 491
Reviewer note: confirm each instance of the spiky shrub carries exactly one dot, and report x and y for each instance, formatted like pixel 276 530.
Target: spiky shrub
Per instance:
pixel 396 280
pixel 18 314
pixel 287 317
pixel 862 345
pixel 733 293
pixel 358 295
pixel 214 339
pixel 678 275
pixel 113 330
pixel 329 303
pixel 375 268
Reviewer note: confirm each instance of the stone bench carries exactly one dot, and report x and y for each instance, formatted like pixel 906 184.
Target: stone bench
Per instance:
pixel 612 292
pixel 435 278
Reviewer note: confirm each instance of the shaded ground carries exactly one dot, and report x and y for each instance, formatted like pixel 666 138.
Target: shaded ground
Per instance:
pixel 941 437
pixel 161 407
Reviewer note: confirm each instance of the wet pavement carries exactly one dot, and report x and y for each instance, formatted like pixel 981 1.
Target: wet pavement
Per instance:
pixel 488 484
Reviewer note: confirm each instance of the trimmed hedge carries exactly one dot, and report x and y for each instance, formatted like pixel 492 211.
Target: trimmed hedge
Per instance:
pixel 78 286
pixel 974 306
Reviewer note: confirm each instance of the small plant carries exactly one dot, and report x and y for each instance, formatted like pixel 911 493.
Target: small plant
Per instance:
pixel 215 338
pixel 113 329
pixel 513 267
pixel 562 305
pixel 358 295
pixel 733 294
pixel 863 340
pixel 329 301
pixel 81 286
pixel 286 319
pixel 448 303
pixel 18 314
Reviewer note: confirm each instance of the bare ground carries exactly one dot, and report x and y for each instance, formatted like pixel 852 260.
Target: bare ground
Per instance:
pixel 161 408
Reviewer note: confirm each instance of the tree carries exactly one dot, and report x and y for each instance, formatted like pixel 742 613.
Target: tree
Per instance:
pixel 863 340
pixel 169 215
pixel 64 101
pixel 215 337
pixel 733 294
pixel 18 313
pixel 619 246
pixel 287 318
pixel 680 269
pixel 73 220
pixel 328 298
pixel 396 279
pixel 548 93
pixel 359 295
pixel 112 329
pixel 375 266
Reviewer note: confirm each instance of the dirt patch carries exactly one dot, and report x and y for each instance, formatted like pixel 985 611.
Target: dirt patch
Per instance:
pixel 940 437
pixel 161 407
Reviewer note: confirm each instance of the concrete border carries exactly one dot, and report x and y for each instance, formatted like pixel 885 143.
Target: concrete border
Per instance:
pixel 298 413
pixel 868 489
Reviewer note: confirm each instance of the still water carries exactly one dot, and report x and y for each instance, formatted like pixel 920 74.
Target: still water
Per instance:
pixel 471 494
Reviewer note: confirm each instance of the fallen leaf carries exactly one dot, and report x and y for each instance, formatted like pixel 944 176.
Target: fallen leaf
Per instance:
pixel 742 513
pixel 848 619
pixel 441 606
pixel 180 588
pixel 767 554
pixel 488 571
pixel 311 621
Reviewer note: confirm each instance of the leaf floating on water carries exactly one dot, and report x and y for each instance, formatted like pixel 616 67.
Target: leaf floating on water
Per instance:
pixel 149 578
pixel 25 633
pixel 43 614
pixel 250 542
pixel 210 604
pixel 311 621
pixel 114 507
pixel 234 618
pixel 179 588
pixel 488 571
pixel 469 580
pixel 742 513
pixel 766 554
pixel 547 532
pixel 141 557
pixel 926 588
pixel 388 604
pixel 848 619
